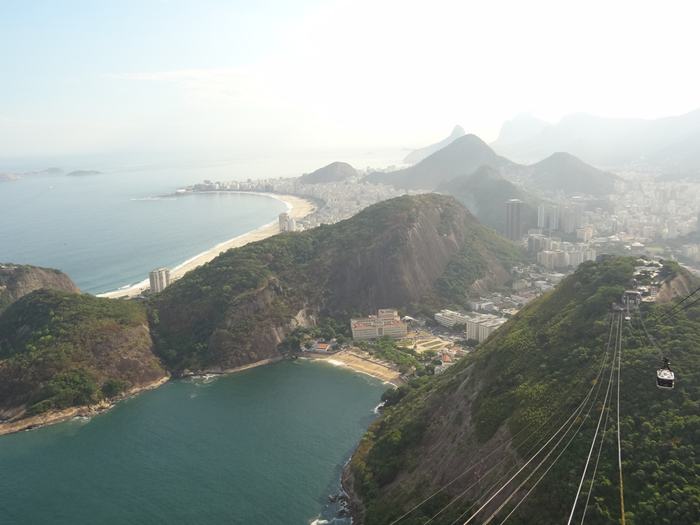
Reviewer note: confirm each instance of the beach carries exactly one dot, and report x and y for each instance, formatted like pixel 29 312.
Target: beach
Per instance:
pixel 363 363
pixel 297 208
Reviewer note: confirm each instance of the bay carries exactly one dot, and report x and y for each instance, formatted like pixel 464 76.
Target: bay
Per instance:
pixel 265 445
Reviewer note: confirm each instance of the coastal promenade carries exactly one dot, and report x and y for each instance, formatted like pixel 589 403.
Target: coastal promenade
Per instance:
pixel 297 207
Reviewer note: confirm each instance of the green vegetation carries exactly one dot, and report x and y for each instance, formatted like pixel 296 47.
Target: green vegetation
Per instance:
pixel 403 252
pixel 387 349
pixel 60 349
pixel 541 363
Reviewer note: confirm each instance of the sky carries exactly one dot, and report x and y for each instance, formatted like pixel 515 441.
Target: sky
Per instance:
pixel 210 77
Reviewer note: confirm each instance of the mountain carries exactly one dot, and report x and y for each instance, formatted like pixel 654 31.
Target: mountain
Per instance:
pixel 485 192
pixel 562 172
pixel 522 128
pixel 334 172
pixel 407 253
pixel 445 444
pixel 461 157
pixel 18 280
pixel 60 350
pixel 669 144
pixel 419 154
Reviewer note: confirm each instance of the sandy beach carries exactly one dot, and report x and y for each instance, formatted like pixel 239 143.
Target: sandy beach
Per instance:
pixel 297 208
pixel 359 361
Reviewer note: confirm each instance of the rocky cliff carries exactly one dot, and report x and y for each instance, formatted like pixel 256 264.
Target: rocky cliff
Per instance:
pixel 18 280
pixel 405 252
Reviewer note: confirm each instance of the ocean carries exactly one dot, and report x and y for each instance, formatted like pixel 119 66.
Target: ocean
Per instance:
pixel 107 231
pixel 262 446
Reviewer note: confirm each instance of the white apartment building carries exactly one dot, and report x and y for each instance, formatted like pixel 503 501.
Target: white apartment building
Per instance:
pixel 159 279
pixel 450 318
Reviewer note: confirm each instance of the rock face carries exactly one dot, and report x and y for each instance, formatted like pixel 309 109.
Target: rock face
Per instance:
pixel 334 172
pixel 17 281
pixel 421 250
pixel 60 350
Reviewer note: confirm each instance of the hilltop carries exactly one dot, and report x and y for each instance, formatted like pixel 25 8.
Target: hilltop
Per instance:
pixel 562 172
pixel 421 153
pixel 60 350
pixel 407 252
pixel 461 157
pixel 495 407
pixel 334 172
pixel 485 192
pixel 17 280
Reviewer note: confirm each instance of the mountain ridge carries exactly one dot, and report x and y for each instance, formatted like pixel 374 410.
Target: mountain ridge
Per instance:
pixel 419 154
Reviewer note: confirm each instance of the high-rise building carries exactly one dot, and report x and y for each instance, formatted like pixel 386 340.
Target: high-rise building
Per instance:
pixel 283 219
pixel 159 279
pixel 286 223
pixel 514 222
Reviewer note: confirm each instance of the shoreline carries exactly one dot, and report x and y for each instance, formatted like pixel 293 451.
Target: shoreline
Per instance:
pixel 297 207
pixel 59 416
pixel 358 364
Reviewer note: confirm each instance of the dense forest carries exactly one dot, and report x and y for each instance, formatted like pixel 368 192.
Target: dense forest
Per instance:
pixel 495 406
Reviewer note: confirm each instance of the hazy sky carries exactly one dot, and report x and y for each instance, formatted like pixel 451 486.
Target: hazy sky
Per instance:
pixel 212 76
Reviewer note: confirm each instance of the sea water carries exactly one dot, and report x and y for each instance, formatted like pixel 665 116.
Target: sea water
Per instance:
pixel 263 446
pixel 107 231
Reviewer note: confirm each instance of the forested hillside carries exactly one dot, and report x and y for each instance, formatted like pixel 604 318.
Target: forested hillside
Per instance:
pixel 59 350
pixel 408 253
pixel 462 435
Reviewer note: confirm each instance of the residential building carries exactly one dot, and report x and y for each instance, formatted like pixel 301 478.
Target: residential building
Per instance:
pixel 514 219
pixel 159 279
pixel 450 318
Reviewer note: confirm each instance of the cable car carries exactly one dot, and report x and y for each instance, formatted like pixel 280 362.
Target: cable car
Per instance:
pixel 665 376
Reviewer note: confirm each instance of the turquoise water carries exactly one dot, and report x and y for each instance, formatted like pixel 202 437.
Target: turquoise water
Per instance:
pixel 262 446
pixel 108 231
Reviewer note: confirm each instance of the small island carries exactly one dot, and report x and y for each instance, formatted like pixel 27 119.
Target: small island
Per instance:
pixel 83 173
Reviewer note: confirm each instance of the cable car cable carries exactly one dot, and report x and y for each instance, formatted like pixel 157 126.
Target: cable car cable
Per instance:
pixel 578 409
pixel 603 409
pixel 475 464
pixel 595 435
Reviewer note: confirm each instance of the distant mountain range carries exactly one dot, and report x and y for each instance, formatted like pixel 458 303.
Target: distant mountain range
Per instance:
pixel 474 173
pixel 461 157
pixel 334 172
pixel 671 144
pixel 419 154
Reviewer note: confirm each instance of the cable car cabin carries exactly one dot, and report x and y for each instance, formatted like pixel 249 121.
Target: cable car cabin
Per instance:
pixel 665 378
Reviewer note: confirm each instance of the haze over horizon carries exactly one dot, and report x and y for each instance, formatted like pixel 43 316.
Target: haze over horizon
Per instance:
pixel 220 77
